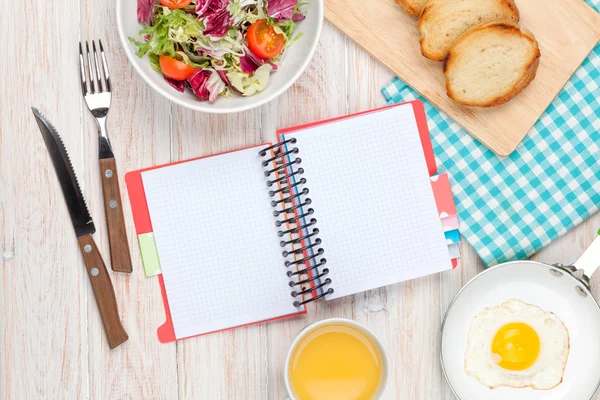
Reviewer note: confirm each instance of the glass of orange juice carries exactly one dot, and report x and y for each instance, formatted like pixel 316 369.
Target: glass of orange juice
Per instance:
pixel 336 359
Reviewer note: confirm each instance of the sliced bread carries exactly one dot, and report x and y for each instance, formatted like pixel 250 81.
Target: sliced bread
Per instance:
pixel 412 7
pixel 490 64
pixel 443 21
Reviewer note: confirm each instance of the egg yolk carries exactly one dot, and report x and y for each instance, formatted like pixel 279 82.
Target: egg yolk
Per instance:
pixel 516 346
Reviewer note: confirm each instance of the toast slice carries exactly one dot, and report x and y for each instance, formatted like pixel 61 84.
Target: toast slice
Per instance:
pixel 412 7
pixel 491 64
pixel 444 21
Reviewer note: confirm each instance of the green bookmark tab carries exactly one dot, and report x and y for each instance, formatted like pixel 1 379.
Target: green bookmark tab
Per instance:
pixel 149 254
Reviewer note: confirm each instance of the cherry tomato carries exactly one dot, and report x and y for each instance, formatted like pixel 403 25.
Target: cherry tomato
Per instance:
pixel 263 40
pixel 175 69
pixel 175 3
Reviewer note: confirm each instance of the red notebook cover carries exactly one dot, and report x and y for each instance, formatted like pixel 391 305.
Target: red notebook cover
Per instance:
pixel 143 224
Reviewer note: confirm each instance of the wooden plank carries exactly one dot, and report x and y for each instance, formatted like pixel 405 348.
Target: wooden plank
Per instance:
pixel 225 365
pixel 139 129
pixel 42 277
pixel 566 31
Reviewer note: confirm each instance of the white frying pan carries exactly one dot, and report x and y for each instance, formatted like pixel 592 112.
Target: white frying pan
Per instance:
pixel 553 288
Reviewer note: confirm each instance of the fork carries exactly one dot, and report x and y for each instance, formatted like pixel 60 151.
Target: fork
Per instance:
pixel 96 90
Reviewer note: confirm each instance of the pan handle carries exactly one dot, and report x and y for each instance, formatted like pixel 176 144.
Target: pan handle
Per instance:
pixel 590 259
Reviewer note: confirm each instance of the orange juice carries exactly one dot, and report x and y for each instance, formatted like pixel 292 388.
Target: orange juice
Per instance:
pixel 335 362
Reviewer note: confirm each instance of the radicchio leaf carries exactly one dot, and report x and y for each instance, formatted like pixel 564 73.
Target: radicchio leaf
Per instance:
pixel 223 75
pixel 205 6
pixel 145 11
pixel 217 23
pixel 274 66
pixel 215 86
pixel 198 83
pixel 256 60
pixel 208 52
pixel 282 10
pixel 298 17
pixel 202 7
pixel 206 84
pixel 179 85
pixel 217 17
pixel 248 65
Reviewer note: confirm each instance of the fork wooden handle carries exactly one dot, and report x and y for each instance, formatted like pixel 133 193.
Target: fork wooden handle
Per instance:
pixel 120 259
pixel 103 291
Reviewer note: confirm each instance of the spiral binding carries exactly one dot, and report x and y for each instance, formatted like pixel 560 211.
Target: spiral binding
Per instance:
pixel 291 207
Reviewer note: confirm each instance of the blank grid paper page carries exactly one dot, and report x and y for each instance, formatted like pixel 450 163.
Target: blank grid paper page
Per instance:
pixel 217 243
pixel 372 197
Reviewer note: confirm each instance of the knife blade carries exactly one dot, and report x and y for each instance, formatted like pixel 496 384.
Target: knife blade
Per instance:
pixel 80 216
pixel 84 229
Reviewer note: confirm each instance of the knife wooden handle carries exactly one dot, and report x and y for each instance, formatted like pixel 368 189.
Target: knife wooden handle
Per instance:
pixel 120 259
pixel 103 291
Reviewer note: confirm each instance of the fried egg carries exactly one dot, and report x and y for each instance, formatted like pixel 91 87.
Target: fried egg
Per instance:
pixel 518 345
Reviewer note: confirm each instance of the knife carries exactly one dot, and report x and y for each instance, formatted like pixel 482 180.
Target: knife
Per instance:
pixel 84 229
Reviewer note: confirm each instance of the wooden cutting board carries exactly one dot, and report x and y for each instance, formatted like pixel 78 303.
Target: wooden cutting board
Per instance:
pixel 567 30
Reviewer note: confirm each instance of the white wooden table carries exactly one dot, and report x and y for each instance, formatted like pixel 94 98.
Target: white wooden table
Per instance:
pixel 52 344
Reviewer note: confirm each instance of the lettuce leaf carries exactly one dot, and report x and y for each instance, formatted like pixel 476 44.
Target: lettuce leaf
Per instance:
pixel 170 27
pixel 248 85
pixel 154 62
pixel 288 27
pixel 242 13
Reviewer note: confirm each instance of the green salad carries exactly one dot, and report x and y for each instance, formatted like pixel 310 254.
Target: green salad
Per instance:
pixel 216 47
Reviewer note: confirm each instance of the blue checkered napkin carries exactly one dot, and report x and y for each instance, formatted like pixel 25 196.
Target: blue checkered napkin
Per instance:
pixel 510 208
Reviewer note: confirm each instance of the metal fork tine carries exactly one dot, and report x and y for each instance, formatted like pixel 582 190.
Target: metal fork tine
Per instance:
pixel 104 66
pixel 95 82
pixel 101 84
pixel 83 80
pixel 90 69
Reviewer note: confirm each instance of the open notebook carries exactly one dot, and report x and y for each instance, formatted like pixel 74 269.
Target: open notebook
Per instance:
pixel 334 209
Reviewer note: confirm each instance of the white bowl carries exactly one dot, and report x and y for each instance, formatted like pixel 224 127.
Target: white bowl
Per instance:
pixel 298 56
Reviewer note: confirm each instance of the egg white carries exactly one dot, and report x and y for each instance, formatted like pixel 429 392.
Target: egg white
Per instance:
pixel 545 373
